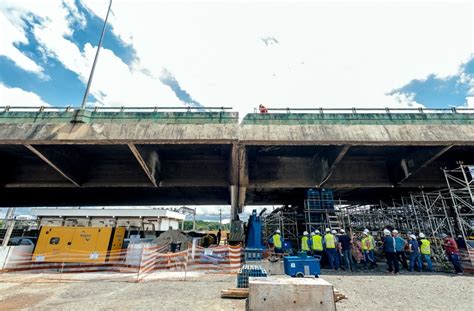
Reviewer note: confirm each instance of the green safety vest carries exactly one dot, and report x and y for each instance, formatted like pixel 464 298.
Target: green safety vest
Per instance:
pixel 367 244
pixel 317 244
pixel 304 243
pixel 329 239
pixel 425 248
pixel 277 240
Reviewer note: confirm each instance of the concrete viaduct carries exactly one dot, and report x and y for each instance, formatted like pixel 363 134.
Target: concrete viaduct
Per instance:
pixel 133 157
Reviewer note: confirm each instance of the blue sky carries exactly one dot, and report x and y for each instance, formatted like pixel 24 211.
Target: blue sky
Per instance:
pixel 201 54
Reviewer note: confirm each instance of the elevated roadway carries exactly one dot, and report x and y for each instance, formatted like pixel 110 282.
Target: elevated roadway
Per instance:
pixel 69 157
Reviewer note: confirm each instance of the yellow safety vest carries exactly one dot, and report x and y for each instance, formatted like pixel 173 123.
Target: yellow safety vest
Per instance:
pixel 329 239
pixel 304 243
pixel 277 240
pixel 368 243
pixel 425 248
pixel 317 244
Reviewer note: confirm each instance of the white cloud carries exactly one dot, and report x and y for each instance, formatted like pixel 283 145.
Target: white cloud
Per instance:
pixel 328 54
pixel 12 34
pixel 18 97
pixel 114 82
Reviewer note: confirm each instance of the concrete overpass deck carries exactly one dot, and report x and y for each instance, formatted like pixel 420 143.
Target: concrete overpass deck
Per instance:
pixel 133 157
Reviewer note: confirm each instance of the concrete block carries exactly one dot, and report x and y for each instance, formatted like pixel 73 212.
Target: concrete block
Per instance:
pixel 272 268
pixel 286 293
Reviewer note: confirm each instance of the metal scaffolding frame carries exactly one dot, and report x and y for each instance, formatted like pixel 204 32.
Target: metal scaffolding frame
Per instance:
pixel 460 183
pixel 285 220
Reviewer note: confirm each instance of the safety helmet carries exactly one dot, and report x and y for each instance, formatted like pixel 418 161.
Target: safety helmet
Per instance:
pixel 333 231
pixel 328 230
pixel 395 231
pixel 342 231
pixel 413 237
pixel 386 232
pixel 422 235
pixel 317 232
pixel 312 233
pixel 366 230
pixel 365 233
pixel 305 233
pixel 277 231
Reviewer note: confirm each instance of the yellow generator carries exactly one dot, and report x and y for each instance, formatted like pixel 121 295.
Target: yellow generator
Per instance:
pixel 78 244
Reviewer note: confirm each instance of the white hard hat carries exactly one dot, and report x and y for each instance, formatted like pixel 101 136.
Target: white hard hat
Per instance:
pixel 366 230
pixel 342 231
pixel 413 236
pixel 386 232
pixel 422 235
pixel 305 233
pixel 328 230
pixel 365 233
pixel 443 235
pixel 317 232
pixel 312 233
pixel 277 231
pixel 395 231
pixel 333 231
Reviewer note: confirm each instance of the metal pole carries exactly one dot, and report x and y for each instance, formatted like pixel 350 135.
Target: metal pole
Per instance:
pixel 89 82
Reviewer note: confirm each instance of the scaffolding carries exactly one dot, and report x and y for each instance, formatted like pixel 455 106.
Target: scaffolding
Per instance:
pixel 285 220
pixel 460 183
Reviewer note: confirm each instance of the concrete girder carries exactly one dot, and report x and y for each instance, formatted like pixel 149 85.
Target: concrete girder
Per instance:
pixel 324 164
pixel 149 162
pixel 413 163
pixel 61 162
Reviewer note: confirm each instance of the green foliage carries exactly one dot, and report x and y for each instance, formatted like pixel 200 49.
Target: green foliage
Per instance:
pixel 204 225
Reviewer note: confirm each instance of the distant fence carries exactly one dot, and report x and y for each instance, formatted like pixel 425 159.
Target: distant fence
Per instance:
pixel 137 263
pixel 108 108
pixel 386 110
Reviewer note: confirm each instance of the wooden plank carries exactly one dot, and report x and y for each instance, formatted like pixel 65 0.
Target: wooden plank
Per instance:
pixel 239 293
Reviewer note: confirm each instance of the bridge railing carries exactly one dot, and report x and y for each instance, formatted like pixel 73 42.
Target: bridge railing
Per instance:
pixel 386 110
pixel 110 109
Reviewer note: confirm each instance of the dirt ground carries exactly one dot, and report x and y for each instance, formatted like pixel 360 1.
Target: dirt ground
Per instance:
pixel 365 291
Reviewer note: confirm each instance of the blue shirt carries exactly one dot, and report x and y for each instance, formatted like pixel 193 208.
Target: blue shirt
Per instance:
pixel 389 244
pixel 400 242
pixel 415 247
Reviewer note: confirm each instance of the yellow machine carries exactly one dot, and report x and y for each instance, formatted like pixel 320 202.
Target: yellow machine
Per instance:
pixel 77 244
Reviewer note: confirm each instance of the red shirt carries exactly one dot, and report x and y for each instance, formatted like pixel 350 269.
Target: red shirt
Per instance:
pixel 451 247
pixel 263 109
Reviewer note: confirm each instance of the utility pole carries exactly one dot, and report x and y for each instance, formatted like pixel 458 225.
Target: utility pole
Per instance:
pixel 220 218
pixel 89 82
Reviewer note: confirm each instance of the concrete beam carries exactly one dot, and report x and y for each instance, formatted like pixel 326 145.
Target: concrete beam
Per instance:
pixel 416 161
pixel 149 162
pixel 59 161
pixel 324 165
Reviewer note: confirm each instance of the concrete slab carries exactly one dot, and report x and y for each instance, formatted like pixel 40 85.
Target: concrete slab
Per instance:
pixel 286 293
pixel 272 268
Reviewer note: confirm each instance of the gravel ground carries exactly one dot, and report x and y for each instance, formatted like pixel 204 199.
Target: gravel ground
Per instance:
pixel 365 291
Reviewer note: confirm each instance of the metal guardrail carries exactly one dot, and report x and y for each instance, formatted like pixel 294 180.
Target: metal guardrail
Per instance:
pixel 108 109
pixel 373 110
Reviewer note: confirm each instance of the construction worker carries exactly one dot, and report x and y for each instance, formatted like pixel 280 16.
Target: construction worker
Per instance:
pixel 345 243
pixel 452 252
pixel 330 243
pixel 390 248
pixel 262 109
pixel 277 242
pixel 368 250
pixel 304 242
pixel 425 250
pixel 400 249
pixel 317 243
pixel 414 248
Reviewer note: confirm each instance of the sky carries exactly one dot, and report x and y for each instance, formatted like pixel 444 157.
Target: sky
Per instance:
pixel 238 53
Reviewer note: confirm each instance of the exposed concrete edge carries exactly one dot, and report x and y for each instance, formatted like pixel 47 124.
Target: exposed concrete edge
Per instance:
pixel 419 134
